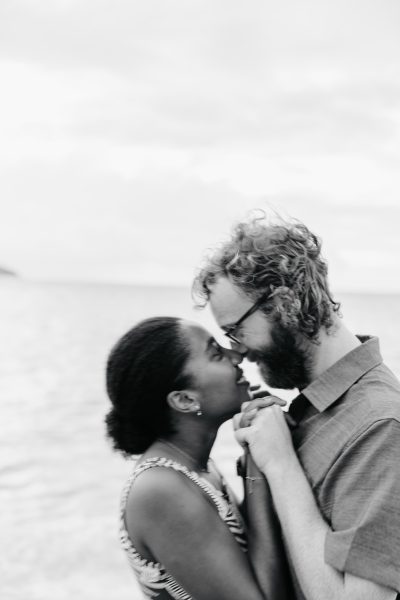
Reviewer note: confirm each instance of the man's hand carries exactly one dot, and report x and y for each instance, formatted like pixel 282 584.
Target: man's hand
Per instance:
pixel 266 434
pixel 249 409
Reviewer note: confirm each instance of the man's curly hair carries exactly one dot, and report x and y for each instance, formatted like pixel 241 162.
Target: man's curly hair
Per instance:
pixel 282 259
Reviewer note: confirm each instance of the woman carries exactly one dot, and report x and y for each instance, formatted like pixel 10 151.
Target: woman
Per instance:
pixel 172 386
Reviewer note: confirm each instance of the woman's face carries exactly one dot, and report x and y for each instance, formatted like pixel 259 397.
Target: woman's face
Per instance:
pixel 215 372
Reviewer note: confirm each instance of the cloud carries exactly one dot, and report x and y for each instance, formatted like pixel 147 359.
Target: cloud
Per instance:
pixel 142 36
pixel 292 79
pixel 90 226
pixel 202 73
pixel 134 133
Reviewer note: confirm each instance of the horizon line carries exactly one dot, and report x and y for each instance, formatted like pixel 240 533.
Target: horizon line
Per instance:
pixel 162 284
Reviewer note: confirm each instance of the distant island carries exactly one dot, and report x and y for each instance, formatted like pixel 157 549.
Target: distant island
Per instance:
pixel 7 272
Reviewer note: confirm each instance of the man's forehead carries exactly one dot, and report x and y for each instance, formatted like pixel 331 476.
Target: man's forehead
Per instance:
pixel 227 301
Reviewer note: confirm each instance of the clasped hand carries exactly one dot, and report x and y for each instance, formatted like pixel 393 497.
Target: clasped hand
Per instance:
pixel 261 426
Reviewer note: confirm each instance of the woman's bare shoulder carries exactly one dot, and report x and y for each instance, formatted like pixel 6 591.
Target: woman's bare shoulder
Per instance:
pixel 160 493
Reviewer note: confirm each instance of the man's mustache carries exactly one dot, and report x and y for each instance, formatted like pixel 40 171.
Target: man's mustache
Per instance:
pixel 254 356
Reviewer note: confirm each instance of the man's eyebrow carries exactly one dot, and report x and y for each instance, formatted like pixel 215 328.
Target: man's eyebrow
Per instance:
pixel 228 326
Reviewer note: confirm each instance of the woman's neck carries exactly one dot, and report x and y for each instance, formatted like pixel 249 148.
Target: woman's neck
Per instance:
pixel 192 446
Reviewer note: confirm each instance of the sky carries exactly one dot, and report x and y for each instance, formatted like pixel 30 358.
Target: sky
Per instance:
pixel 134 134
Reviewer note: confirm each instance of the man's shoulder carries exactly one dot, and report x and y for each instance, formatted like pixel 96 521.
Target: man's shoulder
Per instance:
pixel 382 375
pixel 370 405
pixel 375 396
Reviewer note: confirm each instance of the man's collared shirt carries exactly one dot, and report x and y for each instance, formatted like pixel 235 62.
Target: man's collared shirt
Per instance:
pixel 348 441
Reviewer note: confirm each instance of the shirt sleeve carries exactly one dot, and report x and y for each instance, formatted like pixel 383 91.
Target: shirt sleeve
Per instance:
pixel 363 490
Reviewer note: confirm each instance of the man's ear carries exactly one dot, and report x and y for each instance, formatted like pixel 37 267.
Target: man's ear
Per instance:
pixel 183 401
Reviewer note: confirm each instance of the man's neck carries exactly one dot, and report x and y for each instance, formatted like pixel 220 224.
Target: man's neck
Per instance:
pixel 333 346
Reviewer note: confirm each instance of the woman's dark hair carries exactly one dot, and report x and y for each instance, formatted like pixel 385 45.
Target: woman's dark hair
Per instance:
pixel 143 367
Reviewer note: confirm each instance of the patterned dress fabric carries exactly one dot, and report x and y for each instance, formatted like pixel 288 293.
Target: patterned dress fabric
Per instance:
pixel 152 576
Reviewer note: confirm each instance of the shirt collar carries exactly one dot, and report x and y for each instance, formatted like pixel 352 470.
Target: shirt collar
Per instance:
pixel 336 380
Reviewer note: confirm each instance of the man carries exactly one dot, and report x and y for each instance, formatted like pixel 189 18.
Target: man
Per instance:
pixel 335 474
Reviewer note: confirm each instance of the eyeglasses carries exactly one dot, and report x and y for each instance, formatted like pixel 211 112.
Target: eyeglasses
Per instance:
pixel 230 331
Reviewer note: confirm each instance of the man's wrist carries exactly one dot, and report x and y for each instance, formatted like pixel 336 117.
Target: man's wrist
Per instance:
pixel 279 471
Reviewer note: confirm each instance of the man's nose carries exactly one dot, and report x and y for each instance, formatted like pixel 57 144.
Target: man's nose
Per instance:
pixel 239 347
pixel 235 356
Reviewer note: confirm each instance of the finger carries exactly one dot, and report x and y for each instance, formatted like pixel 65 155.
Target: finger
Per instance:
pixel 243 419
pixel 241 435
pixel 248 417
pixel 272 400
pixel 236 421
pixel 267 411
pixel 262 403
pixel 277 400
pixel 250 404
pixel 269 398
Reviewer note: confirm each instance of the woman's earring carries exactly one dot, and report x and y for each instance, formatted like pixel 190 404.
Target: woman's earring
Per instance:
pixel 199 411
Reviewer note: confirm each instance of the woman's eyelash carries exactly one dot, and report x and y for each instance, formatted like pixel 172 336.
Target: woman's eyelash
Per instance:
pixel 217 350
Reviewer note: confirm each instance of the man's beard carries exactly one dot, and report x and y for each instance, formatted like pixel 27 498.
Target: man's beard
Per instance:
pixel 284 364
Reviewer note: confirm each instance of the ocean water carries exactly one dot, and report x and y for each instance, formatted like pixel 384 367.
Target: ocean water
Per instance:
pixel 60 480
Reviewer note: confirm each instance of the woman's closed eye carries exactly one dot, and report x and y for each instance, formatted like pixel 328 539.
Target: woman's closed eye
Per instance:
pixel 217 351
pixel 218 354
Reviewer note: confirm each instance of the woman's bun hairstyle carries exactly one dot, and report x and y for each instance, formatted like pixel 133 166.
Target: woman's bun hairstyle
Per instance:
pixel 143 367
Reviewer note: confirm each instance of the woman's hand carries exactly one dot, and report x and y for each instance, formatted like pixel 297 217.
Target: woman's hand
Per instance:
pixel 267 436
